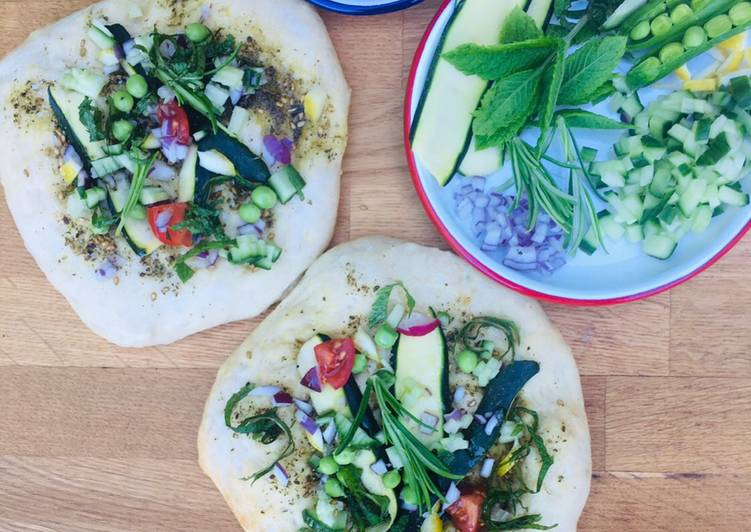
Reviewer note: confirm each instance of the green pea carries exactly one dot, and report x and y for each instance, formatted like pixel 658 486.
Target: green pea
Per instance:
pixel 670 51
pixel 333 488
pixel 360 364
pixel 467 360
pixel 249 212
pixel 121 130
pixel 328 465
pixel 740 13
pixel 718 25
pixel 392 479
pixel 264 197
pixel 123 101
pixel 409 495
pixel 641 31
pixel 680 13
pixel 695 36
pixel 661 25
pixel 137 86
pixel 385 336
pixel 197 32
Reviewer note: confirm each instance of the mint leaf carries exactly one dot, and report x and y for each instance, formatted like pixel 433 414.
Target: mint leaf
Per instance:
pixel 498 61
pixel 551 88
pixel 519 27
pixel 578 118
pixel 505 108
pixel 91 118
pixel 602 92
pixel 589 67
pixel 380 309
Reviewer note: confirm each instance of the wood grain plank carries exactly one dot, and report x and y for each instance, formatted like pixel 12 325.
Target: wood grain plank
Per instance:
pixel 709 321
pixel 678 425
pixel 624 502
pixel 594 389
pixel 631 339
pixel 102 413
pixel 108 495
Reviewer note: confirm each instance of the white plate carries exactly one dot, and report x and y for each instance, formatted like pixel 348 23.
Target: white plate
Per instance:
pixel 623 274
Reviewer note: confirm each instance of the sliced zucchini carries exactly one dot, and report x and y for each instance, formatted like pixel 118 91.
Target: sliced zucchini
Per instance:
pixel 540 11
pixel 151 195
pixel 216 162
pixel 422 380
pixel 481 162
pixel 186 183
pixel 246 163
pixel 441 127
pixel 136 231
pixel 286 182
pixel 65 105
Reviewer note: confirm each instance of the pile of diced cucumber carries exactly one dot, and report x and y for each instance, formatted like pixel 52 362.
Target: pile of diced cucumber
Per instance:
pixel 680 166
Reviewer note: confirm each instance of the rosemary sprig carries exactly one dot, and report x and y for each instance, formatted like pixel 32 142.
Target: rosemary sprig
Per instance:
pixel 142 168
pixel 419 461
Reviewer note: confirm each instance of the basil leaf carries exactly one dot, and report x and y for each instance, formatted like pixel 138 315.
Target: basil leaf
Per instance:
pixel 91 118
pixel 380 310
pixel 578 118
pixel 365 508
pixel 505 108
pixel 590 67
pixel 498 61
pixel 519 27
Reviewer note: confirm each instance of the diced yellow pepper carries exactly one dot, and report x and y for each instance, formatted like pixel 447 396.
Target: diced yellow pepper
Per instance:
pixel 734 44
pixel 700 85
pixel 314 103
pixel 507 464
pixel 683 73
pixel 316 442
pixel 732 63
pixel 433 522
pixel 70 171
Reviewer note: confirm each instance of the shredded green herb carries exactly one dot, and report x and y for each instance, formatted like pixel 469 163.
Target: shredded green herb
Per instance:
pixel 91 118
pixel 185 272
pixel 471 335
pixel 380 309
pixel 366 509
pixel 202 221
pixel 265 427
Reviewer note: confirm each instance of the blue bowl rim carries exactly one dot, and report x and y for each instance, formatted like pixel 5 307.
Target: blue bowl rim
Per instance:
pixel 348 9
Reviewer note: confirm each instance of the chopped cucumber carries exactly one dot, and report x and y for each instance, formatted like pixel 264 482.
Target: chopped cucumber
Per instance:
pixel 286 182
pixel 659 246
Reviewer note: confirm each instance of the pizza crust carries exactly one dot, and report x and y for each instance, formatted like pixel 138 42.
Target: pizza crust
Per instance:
pixel 341 285
pixel 140 311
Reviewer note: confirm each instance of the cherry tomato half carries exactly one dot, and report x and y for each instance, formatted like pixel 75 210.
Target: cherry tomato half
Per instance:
pixel 176 119
pixel 466 511
pixel 162 227
pixel 335 361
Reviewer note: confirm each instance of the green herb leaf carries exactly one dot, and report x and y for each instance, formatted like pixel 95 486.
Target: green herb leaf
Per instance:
pixel 499 60
pixel 366 509
pixel 519 27
pixel 91 118
pixel 202 221
pixel 265 427
pixel 380 310
pixel 551 89
pixel 470 335
pixel 590 67
pixel 578 118
pixel 102 221
pixel 506 107
pixel 525 522
pixel 218 47
pixel 185 272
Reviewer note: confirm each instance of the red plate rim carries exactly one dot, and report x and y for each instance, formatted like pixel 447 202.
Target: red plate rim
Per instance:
pixel 477 263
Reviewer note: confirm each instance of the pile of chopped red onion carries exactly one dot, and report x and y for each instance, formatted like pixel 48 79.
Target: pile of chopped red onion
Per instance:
pixel 497 228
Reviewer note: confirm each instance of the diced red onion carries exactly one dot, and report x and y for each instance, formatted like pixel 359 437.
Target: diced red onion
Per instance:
pixel 452 495
pixel 162 220
pixel 379 468
pixel 329 433
pixel 478 183
pixel 119 52
pixel 279 150
pixel 248 229
pixel 311 380
pixel 487 468
pixel 491 425
pixel 106 270
pixel 454 415
pixel 307 422
pixel 264 391
pixel 418 325
pixel 281 474
pixel 480 419
pixel 303 406
pixel 162 172
pixel 173 151
pixel 110 69
pixel 167 48
pixel 459 394
pixel 282 399
pixel 204 13
pixel 430 420
pixel 165 93
pixel 128 46
pixel 82 178
pixel 204 260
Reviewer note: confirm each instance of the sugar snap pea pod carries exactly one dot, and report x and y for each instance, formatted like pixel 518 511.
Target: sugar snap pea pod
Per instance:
pixel 646 13
pixel 705 11
pixel 651 69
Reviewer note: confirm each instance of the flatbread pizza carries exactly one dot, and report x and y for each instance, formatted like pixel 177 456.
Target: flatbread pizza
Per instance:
pixel 396 388
pixel 173 166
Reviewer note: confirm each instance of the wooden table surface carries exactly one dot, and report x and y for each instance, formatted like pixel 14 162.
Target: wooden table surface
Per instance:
pixel 93 437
